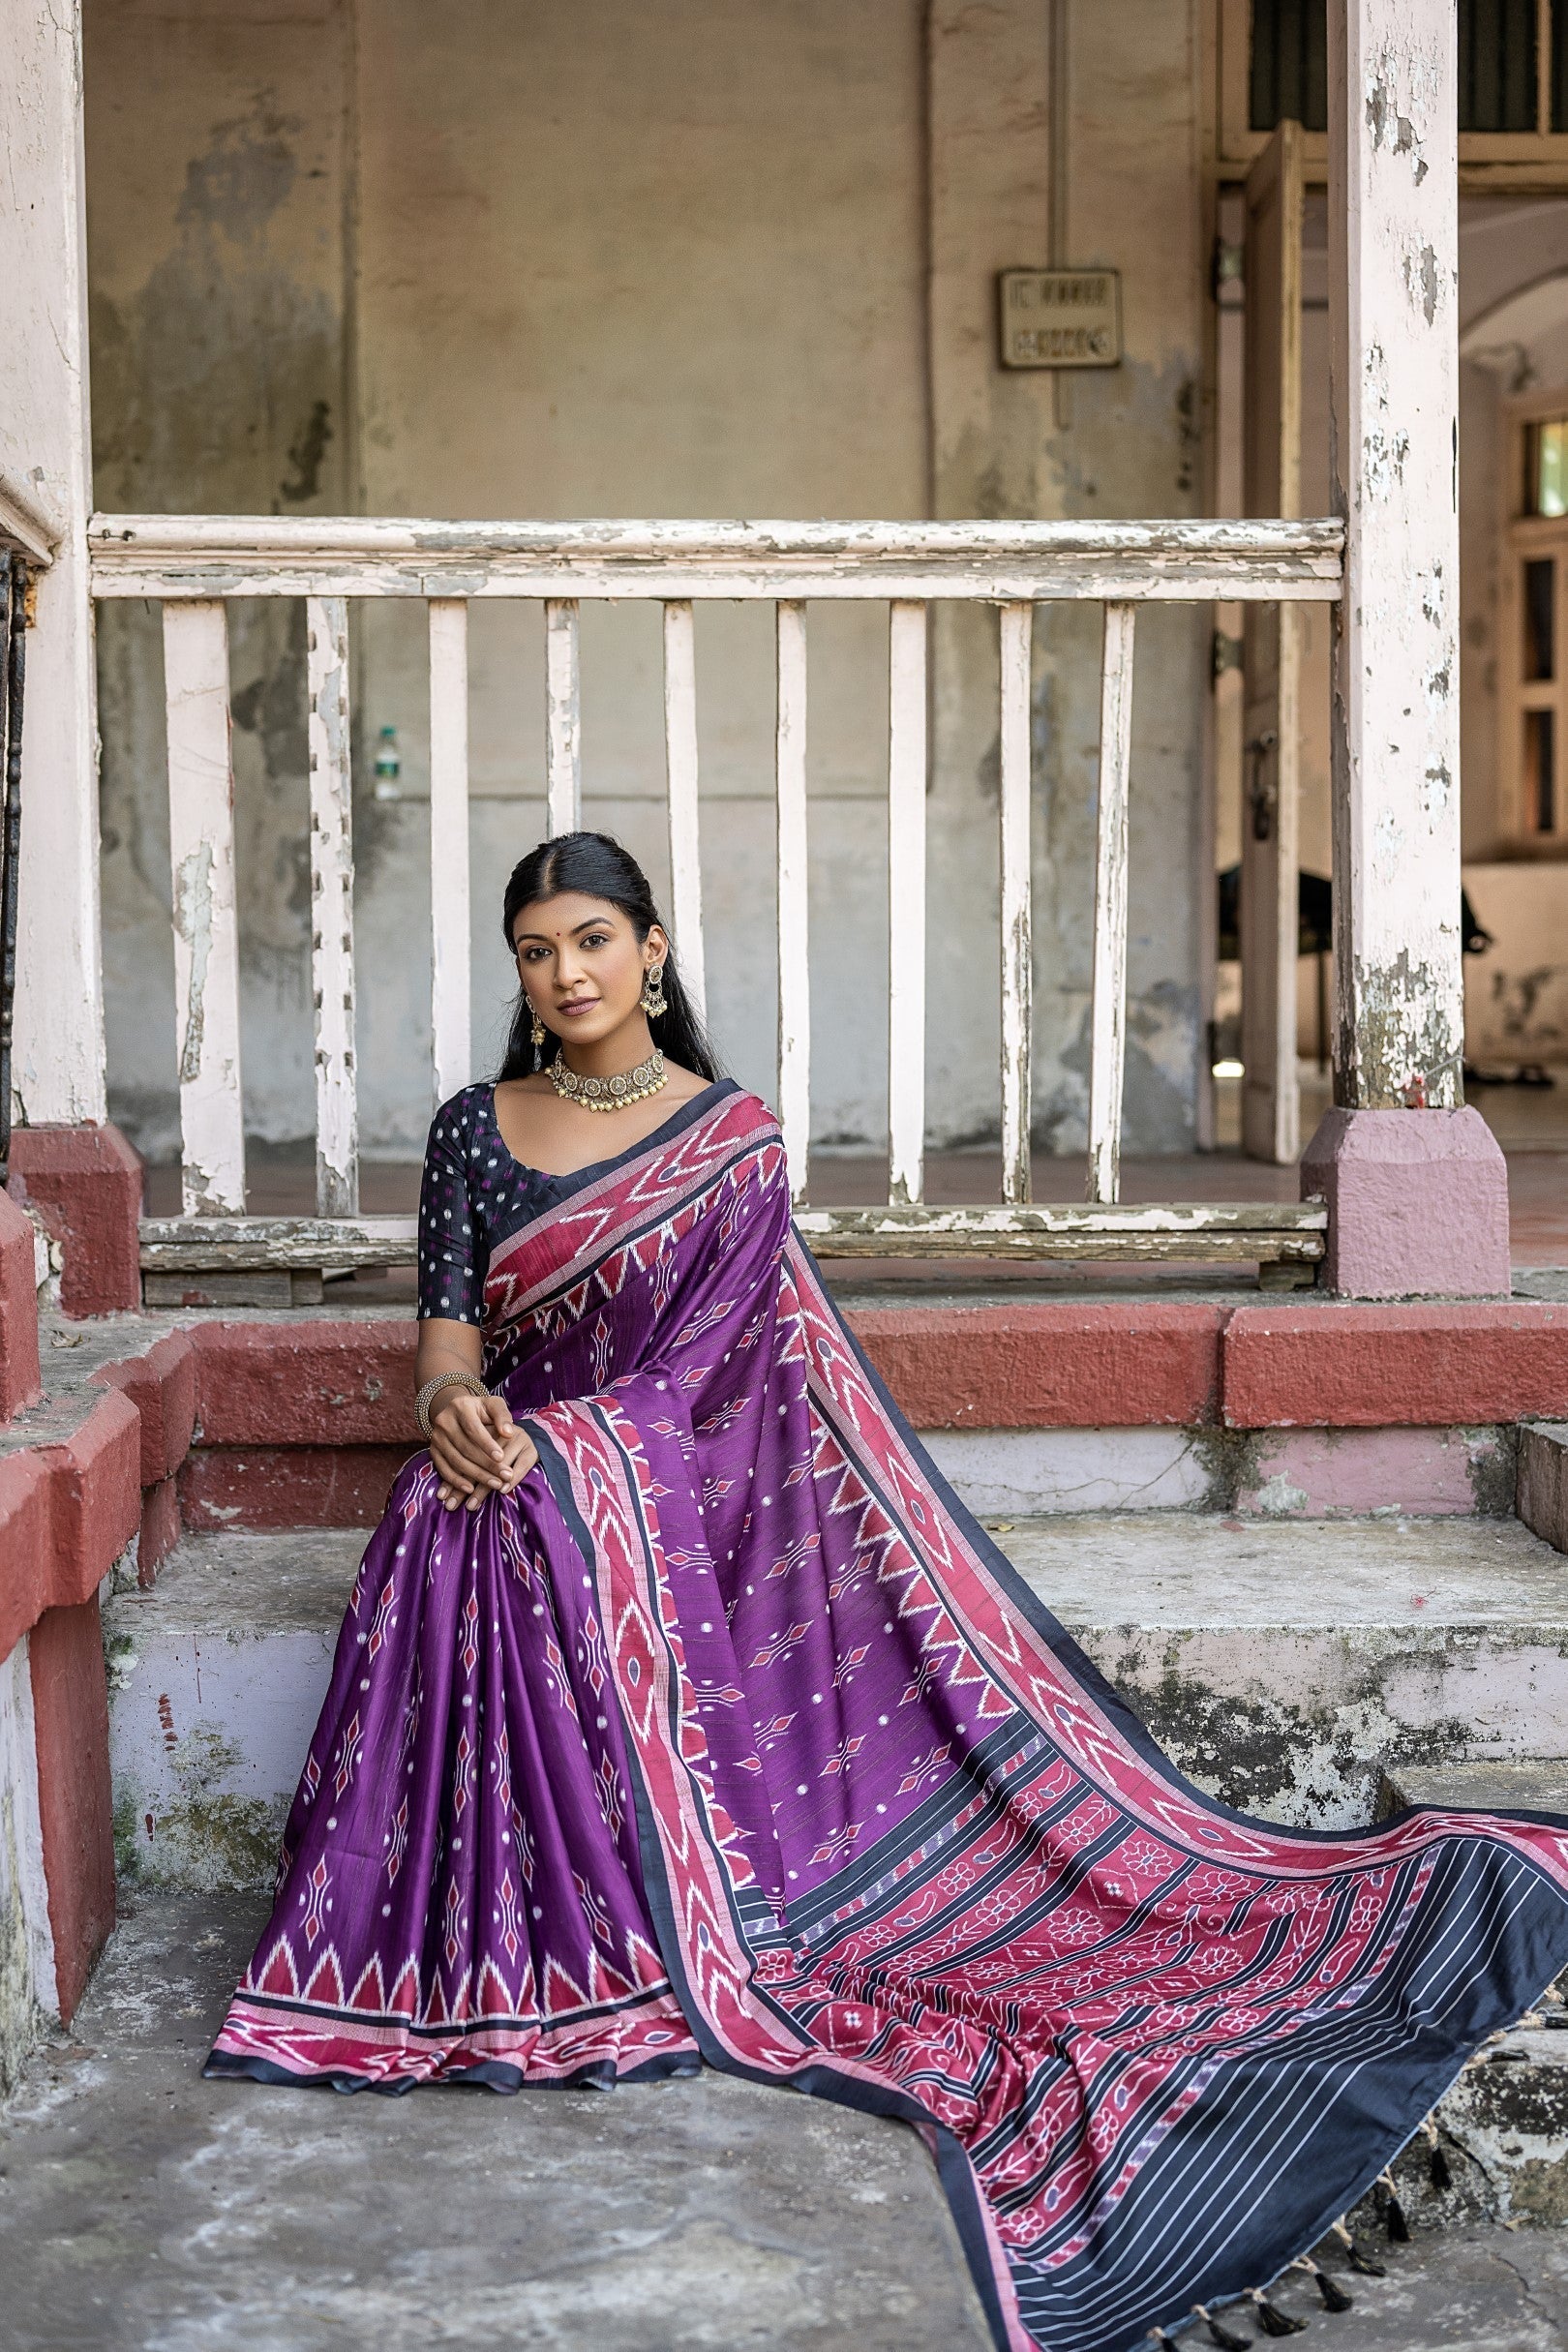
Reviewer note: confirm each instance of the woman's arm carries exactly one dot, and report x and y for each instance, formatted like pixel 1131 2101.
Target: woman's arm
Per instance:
pixel 474 1444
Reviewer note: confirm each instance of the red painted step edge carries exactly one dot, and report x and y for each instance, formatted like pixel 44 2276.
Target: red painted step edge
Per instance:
pixel 162 1385
pixel 1047 1363
pixel 1378 1366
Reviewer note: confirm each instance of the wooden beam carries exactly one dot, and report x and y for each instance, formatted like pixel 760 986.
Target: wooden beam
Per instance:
pixel 1267 1232
pixel 182 555
pixel 332 907
pixel 680 776
pixel 1393 380
pixel 563 717
pixel 794 930
pixel 1107 1016
pixel 450 986
pixel 58 1066
pixel 906 901
pixel 1016 633
pixel 206 929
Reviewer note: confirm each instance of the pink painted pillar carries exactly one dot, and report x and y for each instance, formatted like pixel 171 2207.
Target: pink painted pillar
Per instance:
pixel 1416 1187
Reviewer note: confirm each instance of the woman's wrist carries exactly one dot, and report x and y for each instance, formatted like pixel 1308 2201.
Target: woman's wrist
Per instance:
pixel 434 1392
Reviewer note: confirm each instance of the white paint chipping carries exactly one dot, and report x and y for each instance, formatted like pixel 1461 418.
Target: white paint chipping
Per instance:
pixel 1016 626
pixel 906 901
pixel 449 912
pixel 179 556
pixel 332 907
pixel 564 716
pixel 1107 1034
pixel 45 450
pixel 27 1982
pixel 206 933
pixel 681 777
pixel 1393 392
pixel 794 931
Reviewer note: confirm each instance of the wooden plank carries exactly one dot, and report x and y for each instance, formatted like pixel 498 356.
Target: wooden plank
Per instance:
pixel 450 986
pixel 206 931
pixel 332 907
pixel 794 926
pixel 1395 714
pixel 1107 1022
pixel 1269 1230
pixel 1017 961
pixel 176 557
pixel 1205 1249
pixel 563 717
pixel 25 523
pixel 906 901
pixel 1270 1090
pixel 209 1244
pixel 681 777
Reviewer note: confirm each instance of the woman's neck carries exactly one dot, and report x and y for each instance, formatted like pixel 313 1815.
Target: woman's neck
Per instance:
pixel 622 1049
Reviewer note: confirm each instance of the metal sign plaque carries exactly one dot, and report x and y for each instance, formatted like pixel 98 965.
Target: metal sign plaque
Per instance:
pixel 1061 318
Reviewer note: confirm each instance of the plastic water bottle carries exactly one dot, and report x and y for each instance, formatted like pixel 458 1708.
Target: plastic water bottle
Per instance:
pixel 388 766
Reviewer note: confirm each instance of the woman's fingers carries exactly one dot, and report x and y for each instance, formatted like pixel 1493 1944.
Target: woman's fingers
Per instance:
pixel 477 1448
pixel 465 1435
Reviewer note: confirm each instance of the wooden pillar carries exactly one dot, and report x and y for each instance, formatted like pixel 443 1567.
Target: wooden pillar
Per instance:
pixel 1394 387
pixel 45 450
pixel 1416 1187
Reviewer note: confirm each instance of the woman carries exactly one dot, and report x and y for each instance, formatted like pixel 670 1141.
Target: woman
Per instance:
pixel 682 1713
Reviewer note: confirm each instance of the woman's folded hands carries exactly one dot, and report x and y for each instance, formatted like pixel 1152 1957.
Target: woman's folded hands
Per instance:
pixel 477 1448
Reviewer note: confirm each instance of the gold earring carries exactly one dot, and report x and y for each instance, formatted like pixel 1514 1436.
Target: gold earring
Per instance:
pixel 654 998
pixel 538 1029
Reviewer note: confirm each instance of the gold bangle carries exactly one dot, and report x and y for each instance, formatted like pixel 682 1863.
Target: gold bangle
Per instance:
pixel 433 1388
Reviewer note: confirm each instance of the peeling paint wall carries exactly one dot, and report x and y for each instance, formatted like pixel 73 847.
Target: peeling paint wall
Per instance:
pixel 26 1953
pixel 698 261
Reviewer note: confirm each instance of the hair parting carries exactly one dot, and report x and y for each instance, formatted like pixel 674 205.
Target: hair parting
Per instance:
pixel 597 866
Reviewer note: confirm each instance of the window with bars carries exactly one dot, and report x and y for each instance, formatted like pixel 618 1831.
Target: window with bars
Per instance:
pixel 1534 706
pixel 1503 75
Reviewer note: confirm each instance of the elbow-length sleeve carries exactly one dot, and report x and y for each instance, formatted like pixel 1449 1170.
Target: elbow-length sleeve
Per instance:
pixel 452 1261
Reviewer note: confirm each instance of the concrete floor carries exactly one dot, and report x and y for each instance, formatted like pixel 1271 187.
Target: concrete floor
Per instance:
pixel 143 2208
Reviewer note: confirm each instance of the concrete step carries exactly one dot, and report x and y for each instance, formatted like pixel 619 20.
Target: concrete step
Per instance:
pixel 146 2209
pixel 1320 1673
pixel 1285 1666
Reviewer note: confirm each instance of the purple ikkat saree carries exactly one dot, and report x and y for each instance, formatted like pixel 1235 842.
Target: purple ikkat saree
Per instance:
pixel 731 1737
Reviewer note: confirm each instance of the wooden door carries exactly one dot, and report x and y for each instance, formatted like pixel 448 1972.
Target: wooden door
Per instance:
pixel 1271 1094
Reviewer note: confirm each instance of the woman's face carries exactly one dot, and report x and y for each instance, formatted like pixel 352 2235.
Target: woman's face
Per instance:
pixel 581 964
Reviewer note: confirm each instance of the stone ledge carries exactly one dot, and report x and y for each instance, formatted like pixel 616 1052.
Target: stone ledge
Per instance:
pixel 1284 1667
pixel 1542 1495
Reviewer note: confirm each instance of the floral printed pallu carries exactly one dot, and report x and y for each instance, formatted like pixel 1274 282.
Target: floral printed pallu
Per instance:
pixel 731 1737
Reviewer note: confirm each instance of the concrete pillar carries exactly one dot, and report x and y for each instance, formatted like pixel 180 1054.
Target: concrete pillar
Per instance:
pixel 1393 378
pixel 45 450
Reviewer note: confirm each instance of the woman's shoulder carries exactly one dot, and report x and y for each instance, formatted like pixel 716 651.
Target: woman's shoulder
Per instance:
pixel 457 1116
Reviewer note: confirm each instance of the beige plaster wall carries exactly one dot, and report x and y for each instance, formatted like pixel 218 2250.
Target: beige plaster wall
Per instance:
pixel 714 258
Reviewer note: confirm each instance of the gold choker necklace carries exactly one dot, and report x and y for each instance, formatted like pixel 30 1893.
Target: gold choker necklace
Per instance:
pixel 610 1093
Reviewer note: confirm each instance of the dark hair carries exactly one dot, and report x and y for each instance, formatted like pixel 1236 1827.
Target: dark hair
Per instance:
pixel 600 868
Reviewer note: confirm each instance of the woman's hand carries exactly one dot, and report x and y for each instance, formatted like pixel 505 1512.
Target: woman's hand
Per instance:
pixel 477 1448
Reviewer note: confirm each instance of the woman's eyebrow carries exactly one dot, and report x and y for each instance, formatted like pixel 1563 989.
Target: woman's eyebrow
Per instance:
pixel 594 922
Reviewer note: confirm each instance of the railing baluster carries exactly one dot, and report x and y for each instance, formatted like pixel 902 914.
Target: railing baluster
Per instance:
pixel 449 918
pixel 332 907
pixel 564 716
pixel 794 967
pixel 1016 638
pixel 906 901
pixel 1108 1019
pixel 206 933
pixel 680 775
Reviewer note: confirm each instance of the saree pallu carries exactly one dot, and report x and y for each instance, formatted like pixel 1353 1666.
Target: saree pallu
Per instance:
pixel 730 1737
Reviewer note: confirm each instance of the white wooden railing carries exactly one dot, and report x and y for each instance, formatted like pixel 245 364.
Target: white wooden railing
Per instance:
pixel 193 564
